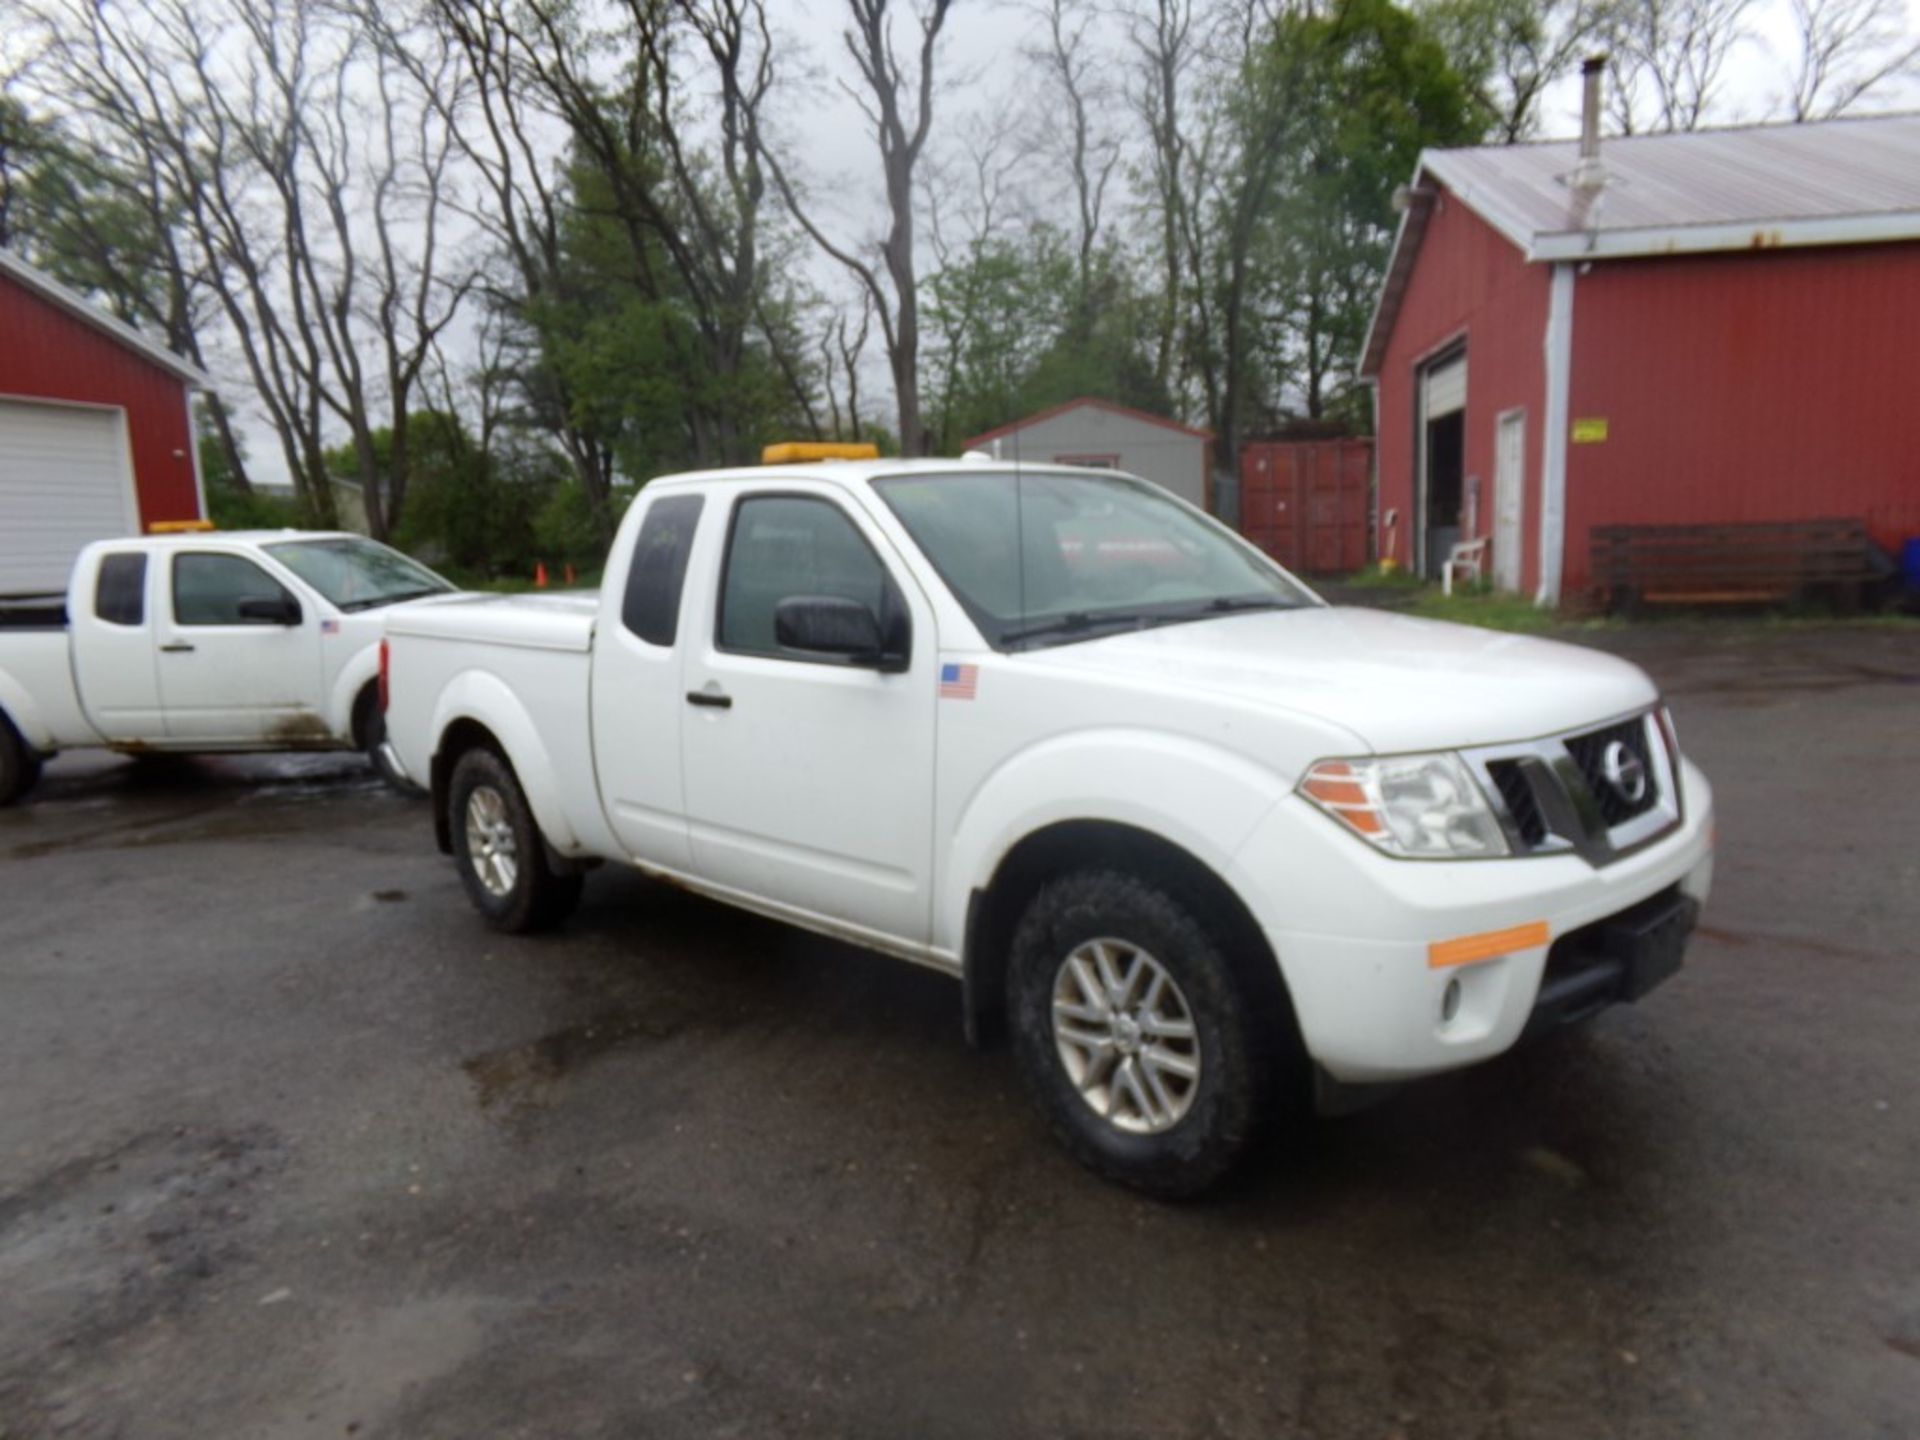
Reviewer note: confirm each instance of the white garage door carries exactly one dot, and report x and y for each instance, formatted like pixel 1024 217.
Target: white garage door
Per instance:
pixel 64 480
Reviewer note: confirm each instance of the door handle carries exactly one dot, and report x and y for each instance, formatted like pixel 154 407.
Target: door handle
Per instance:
pixel 710 698
pixel 179 647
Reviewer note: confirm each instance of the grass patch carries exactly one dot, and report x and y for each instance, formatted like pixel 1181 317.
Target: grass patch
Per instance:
pixel 1493 610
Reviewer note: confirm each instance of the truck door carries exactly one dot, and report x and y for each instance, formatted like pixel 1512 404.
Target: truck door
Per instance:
pixel 809 781
pixel 637 703
pixel 239 655
pixel 112 619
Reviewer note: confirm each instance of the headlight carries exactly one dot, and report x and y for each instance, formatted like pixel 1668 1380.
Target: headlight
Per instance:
pixel 1419 807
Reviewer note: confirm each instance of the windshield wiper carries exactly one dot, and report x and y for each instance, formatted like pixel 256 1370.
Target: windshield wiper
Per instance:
pixel 393 599
pixel 1080 621
pixel 1229 604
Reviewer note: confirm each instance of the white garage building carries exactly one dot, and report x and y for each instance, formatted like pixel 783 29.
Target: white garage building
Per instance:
pixel 1107 436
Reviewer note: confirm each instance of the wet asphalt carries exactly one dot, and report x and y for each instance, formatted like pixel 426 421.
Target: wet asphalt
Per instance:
pixel 290 1146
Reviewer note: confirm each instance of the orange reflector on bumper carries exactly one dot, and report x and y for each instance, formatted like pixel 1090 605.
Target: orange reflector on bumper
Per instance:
pixel 1469 948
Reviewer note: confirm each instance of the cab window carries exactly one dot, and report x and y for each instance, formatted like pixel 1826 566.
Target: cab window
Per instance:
pixel 120 589
pixel 651 606
pixel 784 546
pixel 209 589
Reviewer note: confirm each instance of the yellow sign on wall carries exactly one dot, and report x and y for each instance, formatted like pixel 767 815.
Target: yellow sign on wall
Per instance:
pixel 1590 431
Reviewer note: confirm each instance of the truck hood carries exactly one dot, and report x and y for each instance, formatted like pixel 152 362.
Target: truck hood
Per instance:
pixel 1398 682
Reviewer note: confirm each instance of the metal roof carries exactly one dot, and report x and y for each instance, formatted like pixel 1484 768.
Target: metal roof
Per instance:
pixel 1834 182
pixel 1682 192
pixel 83 309
pixel 1085 402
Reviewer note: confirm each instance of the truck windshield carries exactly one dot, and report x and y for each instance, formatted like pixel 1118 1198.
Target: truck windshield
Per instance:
pixel 358 574
pixel 1045 558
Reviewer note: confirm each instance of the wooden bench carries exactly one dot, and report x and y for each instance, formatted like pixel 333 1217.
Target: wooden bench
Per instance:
pixel 1757 563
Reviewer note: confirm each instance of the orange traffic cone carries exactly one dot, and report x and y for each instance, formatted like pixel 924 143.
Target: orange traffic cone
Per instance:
pixel 540 575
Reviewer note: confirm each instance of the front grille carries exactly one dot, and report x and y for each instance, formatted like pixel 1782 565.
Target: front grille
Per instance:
pixel 1522 805
pixel 1599 793
pixel 1590 751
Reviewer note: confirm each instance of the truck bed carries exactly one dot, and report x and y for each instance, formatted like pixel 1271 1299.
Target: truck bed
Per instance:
pixel 456 658
pixel 537 622
pixel 33 612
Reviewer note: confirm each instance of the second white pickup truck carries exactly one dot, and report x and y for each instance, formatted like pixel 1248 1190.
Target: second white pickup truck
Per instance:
pixel 223 641
pixel 1194 835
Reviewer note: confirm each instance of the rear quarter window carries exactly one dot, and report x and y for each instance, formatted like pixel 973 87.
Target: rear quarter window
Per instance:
pixel 651 606
pixel 120 589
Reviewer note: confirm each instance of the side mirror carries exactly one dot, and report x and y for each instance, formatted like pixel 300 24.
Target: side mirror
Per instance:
pixel 835 625
pixel 282 610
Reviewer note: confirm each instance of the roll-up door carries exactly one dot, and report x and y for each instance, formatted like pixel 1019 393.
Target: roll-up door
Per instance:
pixel 64 482
pixel 1446 387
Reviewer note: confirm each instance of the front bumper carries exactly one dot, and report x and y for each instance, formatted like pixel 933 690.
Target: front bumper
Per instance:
pixel 1352 931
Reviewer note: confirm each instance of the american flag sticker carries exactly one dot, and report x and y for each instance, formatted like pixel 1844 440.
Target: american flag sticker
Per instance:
pixel 329 627
pixel 959 682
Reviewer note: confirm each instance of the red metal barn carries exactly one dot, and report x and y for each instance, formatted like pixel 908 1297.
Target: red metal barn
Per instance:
pixel 1305 502
pixel 1703 328
pixel 96 430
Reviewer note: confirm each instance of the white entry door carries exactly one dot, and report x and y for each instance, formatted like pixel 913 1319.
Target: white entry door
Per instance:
pixel 1509 497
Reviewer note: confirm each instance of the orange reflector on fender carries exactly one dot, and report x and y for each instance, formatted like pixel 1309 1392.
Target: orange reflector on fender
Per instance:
pixel 1469 948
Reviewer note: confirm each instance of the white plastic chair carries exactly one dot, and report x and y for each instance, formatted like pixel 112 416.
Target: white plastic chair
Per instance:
pixel 1467 559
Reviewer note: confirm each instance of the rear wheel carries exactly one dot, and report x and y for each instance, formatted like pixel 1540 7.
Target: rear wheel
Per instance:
pixel 19 765
pixel 498 848
pixel 1134 1035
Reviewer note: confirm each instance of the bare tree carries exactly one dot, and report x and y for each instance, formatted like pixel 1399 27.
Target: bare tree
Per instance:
pixel 500 121
pixel 306 185
pixel 1848 50
pixel 841 346
pixel 695 229
pixel 984 178
pixel 1669 58
pixel 140 266
pixel 897 101
pixel 1071 68
pixel 1166 46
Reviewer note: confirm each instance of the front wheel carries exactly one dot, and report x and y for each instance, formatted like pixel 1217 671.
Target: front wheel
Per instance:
pixel 499 850
pixel 19 764
pixel 1134 1034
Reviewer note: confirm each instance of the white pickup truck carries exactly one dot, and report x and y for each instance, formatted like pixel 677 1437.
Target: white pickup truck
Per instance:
pixel 1191 834
pixel 264 640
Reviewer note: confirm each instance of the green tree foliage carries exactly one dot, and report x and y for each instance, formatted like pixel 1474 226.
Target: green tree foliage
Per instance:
pixel 479 512
pixel 1015 333
pixel 74 213
pixel 619 337
pixel 1326 117
pixel 1509 51
pixel 231 503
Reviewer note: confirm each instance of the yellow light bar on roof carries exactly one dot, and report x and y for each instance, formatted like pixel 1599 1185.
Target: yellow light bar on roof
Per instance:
pixel 180 527
pixel 797 452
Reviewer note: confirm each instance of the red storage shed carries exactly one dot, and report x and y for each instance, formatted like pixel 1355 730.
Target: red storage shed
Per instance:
pixel 1676 329
pixel 96 429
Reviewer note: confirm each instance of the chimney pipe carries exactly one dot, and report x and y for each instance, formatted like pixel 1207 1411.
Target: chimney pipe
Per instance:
pixel 1589 174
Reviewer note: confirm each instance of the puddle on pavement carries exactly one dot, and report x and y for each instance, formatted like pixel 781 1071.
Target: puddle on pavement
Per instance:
pixel 525 1076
